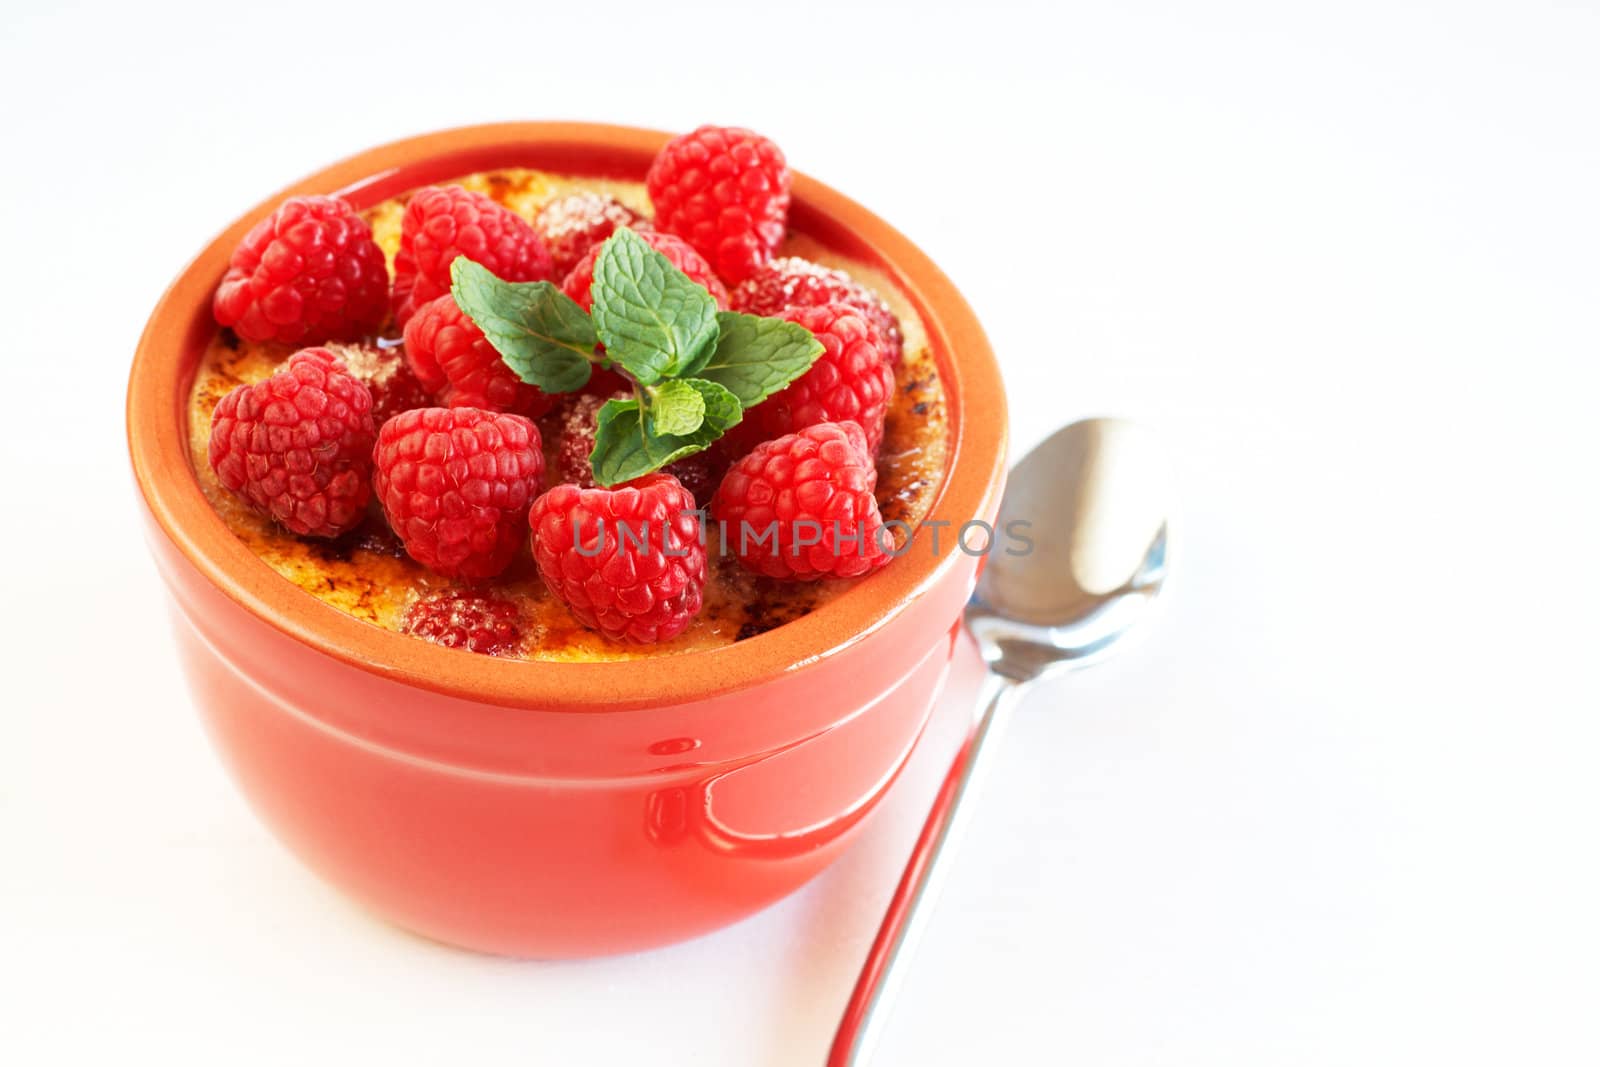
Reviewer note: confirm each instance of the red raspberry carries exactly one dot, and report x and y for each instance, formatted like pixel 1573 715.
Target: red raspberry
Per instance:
pixel 387 376
pixel 816 486
pixel 851 380
pixel 298 446
pixel 604 383
pixel 678 253
pixel 724 190
pixel 626 561
pixel 453 358
pixel 571 225
pixel 445 221
pixel 698 473
pixel 575 437
pixel 795 282
pixel 308 272
pixel 701 472
pixel 477 622
pixel 455 484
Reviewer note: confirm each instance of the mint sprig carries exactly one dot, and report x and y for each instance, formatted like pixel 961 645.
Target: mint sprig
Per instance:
pixel 695 370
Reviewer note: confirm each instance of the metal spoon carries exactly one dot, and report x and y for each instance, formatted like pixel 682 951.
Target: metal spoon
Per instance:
pixel 1094 499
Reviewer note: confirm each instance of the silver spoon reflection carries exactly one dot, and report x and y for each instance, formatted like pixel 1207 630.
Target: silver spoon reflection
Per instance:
pixel 1094 499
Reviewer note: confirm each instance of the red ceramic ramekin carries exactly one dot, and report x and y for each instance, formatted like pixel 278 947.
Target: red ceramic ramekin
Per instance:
pixel 541 809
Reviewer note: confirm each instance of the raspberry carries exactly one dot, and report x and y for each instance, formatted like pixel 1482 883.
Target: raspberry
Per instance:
pixel 452 357
pixel 571 225
pixel 851 380
pixel 477 622
pixel 387 376
pixel 308 272
pixel 724 190
pixel 604 383
pixel 297 447
pixel 626 561
pixel 816 486
pixel 678 253
pixel 698 473
pixel 701 472
pixel 445 221
pixel 795 282
pixel 575 437
pixel 455 484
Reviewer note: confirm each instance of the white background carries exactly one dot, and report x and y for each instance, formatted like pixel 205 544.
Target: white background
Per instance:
pixel 1340 808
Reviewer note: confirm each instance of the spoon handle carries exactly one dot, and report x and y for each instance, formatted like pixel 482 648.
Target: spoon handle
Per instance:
pixel 889 959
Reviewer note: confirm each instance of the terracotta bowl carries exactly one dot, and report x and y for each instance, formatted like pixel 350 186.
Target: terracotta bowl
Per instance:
pixel 554 810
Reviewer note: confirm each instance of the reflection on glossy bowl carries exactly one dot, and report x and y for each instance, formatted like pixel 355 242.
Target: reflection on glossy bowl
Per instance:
pixel 554 809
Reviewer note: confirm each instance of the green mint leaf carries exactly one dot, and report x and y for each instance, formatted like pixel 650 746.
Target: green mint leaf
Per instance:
pixel 653 320
pixel 540 332
pixel 627 447
pixel 755 356
pixel 619 452
pixel 722 408
pixel 674 407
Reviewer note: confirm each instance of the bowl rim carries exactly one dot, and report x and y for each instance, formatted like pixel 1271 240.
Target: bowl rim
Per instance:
pixel 181 324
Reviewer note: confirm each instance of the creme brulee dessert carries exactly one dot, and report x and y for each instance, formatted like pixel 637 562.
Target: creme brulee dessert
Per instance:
pixel 360 564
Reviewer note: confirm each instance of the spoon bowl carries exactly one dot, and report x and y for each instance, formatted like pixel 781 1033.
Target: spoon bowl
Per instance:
pixel 1086 514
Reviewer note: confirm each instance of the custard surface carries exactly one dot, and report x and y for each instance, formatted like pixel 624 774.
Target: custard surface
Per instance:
pixel 368 575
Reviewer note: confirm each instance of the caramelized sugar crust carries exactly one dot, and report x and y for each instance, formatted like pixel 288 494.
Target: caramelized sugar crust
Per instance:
pixel 367 574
